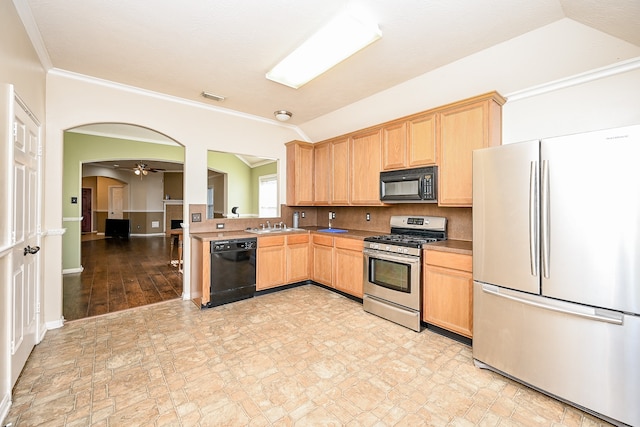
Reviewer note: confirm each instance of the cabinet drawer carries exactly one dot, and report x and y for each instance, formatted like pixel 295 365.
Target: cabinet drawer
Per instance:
pixel 449 260
pixel 265 241
pixel 322 240
pixel 352 244
pixel 294 239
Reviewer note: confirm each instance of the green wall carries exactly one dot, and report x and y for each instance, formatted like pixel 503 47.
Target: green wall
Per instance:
pixel 238 179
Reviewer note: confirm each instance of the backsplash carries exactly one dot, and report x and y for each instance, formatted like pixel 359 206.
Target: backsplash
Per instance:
pixel 459 221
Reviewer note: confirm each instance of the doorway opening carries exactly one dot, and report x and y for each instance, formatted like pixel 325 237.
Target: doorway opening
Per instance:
pixel 128 183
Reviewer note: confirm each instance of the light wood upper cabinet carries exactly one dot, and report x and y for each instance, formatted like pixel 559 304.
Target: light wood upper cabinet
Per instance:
pixel 421 141
pixel 340 167
pixel 394 146
pixel 322 173
pixel 270 262
pixel 348 265
pixel 463 128
pixel 448 291
pixel 365 162
pixel 345 170
pixel 297 255
pixel 300 173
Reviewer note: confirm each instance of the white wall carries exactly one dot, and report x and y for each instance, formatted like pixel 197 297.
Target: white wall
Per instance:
pixel 559 50
pixel 74 100
pixel 603 103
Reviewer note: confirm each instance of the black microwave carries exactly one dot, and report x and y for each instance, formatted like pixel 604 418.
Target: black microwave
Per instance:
pixel 417 185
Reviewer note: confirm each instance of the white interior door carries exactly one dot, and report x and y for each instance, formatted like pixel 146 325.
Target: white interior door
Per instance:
pixel 115 202
pixel 26 241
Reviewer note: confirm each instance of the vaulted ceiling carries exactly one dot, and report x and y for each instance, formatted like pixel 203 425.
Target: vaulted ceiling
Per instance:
pixel 182 48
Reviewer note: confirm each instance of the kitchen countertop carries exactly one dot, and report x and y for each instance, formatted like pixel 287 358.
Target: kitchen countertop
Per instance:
pixel 464 247
pixel 241 234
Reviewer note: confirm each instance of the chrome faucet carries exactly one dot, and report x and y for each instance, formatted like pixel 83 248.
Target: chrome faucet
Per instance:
pixel 268 225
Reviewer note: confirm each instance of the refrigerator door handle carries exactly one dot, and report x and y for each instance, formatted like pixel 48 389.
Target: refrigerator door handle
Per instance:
pixel 594 314
pixel 544 209
pixel 533 218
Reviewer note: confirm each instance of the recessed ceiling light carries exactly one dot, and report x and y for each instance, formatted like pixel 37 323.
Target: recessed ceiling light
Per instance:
pixel 339 39
pixel 212 96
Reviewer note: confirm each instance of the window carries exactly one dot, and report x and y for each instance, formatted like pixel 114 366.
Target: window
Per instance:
pixel 210 202
pixel 268 196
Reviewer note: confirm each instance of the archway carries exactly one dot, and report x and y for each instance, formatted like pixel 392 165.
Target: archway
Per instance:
pixel 107 150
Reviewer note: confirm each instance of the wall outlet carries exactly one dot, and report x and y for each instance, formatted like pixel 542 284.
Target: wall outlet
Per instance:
pixel 74 200
pixel 333 215
pixel 155 224
pixel 302 214
pixel 368 216
pixel 220 225
pixel 196 217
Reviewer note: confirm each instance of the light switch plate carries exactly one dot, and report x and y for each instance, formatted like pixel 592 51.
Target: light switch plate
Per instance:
pixel 196 217
pixel 220 225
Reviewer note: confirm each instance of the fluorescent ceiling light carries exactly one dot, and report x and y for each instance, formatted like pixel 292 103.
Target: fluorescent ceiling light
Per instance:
pixel 339 39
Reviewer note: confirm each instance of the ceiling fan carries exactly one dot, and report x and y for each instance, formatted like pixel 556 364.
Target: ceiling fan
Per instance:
pixel 143 169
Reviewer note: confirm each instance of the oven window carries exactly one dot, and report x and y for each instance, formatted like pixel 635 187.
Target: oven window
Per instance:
pixel 390 274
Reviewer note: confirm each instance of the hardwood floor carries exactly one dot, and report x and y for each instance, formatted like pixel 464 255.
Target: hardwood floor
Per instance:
pixel 120 274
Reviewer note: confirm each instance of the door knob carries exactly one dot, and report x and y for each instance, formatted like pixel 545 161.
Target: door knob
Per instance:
pixel 31 250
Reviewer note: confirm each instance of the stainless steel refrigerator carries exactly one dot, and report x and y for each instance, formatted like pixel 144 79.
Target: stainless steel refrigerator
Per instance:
pixel 556 267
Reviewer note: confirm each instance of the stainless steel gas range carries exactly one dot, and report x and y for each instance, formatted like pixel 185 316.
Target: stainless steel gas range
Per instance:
pixel 393 268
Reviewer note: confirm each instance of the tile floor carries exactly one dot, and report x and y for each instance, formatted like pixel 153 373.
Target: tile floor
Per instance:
pixel 304 356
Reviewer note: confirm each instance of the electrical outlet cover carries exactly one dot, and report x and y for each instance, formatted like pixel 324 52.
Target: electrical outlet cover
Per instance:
pixel 196 217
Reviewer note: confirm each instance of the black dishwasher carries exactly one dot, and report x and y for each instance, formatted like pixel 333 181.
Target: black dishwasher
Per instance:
pixel 233 270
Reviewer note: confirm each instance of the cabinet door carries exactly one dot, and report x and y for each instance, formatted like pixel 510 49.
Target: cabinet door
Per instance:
pixel 394 146
pixel 462 130
pixel 322 173
pixel 270 262
pixel 421 141
pixel 322 259
pixel 299 174
pixel 348 266
pixel 365 168
pixel 339 172
pixel 448 291
pixel 297 258
pixel 448 299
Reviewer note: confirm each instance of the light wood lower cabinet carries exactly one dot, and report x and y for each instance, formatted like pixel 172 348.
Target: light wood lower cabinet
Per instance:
pixel 297 258
pixel 322 259
pixel 335 262
pixel 281 260
pixel 348 264
pixel 270 262
pixel 448 291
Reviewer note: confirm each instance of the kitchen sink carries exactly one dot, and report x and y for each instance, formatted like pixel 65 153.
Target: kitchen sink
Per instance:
pixel 272 230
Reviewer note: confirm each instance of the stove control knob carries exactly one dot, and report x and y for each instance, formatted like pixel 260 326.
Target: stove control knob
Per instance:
pixel 406 250
pixel 387 248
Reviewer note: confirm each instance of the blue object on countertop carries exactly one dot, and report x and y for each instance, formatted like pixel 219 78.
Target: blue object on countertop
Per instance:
pixel 333 230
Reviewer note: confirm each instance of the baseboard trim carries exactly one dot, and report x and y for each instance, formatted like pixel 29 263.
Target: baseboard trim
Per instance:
pixel 54 324
pixel 5 405
pixel 73 270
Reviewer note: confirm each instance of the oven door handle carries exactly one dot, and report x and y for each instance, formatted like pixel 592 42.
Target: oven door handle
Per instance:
pixel 387 256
